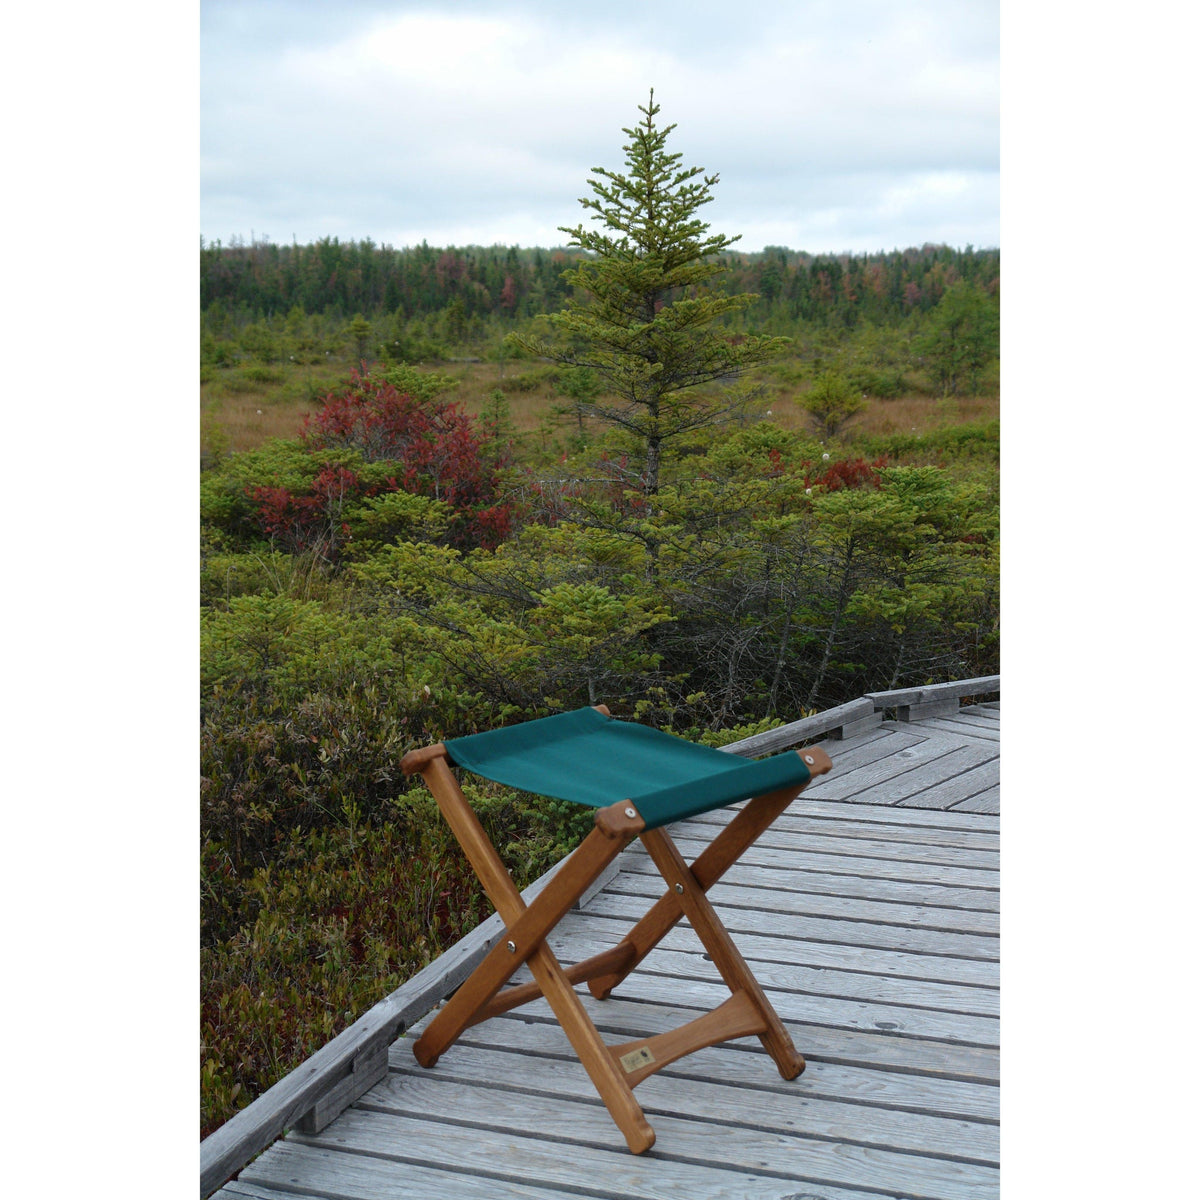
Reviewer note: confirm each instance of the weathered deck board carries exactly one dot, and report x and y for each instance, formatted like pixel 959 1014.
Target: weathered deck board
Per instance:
pixel 869 913
pixel 825 929
pixel 848 864
pixel 960 726
pixel 825 904
pixel 883 1049
pixel 727 1063
pixel 935 895
pixel 884 965
pixel 892 817
pixel 794 822
pixel 922 785
pixel 327 1172
pixel 829 841
pixel 981 802
pixel 834 1012
pixel 735 1105
pixel 792 976
pixel 961 788
pixel 512 1141
pixel 851 784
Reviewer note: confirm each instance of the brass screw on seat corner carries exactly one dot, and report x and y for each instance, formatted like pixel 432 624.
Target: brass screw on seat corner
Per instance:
pixel 630 813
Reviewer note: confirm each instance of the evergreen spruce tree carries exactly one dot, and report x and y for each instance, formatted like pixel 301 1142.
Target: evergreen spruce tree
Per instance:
pixel 644 320
pixel 960 338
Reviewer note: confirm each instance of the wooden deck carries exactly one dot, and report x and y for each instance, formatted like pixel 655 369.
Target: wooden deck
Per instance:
pixel 869 913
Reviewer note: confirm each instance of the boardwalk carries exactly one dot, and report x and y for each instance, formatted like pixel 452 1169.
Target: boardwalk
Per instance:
pixel 869 912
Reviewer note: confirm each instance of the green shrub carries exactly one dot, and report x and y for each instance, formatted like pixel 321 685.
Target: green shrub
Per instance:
pixel 831 402
pixel 214 442
pixel 979 442
pixel 267 573
pixel 882 383
pixel 257 374
pixel 236 383
pixel 342 918
pixel 528 381
pixel 226 501
pixel 725 737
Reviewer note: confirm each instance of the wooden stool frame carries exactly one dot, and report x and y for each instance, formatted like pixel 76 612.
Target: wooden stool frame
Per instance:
pixel 614 1070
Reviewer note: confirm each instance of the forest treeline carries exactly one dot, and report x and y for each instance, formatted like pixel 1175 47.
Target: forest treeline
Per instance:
pixel 259 280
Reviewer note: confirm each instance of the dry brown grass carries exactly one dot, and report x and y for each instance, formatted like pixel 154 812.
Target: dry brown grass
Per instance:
pixel 245 419
pixel 923 414
pixel 247 422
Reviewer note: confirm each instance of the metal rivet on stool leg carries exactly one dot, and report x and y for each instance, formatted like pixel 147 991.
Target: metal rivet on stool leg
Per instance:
pixel 512 947
pixel 679 888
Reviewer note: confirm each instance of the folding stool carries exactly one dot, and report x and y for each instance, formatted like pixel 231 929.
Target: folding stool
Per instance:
pixel 638 779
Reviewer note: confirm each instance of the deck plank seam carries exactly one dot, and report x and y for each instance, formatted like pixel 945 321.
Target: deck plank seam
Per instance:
pixel 841 781
pixel 831 941
pixel 967 904
pixel 884 980
pixel 933 787
pixel 972 796
pixel 785 837
pixel 726 902
pixel 660 1110
pixel 881 814
pixel 876 945
pixel 777 989
pixel 765 1086
pixel 844 827
pixel 758 859
pixel 646 892
pixel 838 1027
pixel 870 920
pixel 814 1056
pixel 970 864
pixel 665 1154
pixel 974 733
pixel 974 887
pixel 316 1142
pixel 743 876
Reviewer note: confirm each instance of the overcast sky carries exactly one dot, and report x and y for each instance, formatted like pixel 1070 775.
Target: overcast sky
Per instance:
pixel 853 125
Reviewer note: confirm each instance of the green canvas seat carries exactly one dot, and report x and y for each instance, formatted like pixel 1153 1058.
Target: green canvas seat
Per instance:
pixel 592 759
pixel 638 780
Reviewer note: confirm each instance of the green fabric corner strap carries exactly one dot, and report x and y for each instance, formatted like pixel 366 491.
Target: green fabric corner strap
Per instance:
pixel 588 758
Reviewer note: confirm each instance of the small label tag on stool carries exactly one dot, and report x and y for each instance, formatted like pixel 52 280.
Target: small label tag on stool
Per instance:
pixel 636 1059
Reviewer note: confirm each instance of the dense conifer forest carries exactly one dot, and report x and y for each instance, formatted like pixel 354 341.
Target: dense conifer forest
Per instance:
pixel 467 293
pixel 445 488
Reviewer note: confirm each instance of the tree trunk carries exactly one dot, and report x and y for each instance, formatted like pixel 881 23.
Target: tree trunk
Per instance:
pixel 653 464
pixel 779 657
pixel 895 680
pixel 843 597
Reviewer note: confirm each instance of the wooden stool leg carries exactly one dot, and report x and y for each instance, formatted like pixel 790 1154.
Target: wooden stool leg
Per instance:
pixel 593 1053
pixel 725 955
pixel 576 1024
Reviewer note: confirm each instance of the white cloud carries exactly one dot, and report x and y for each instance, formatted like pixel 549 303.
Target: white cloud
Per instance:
pixel 480 121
